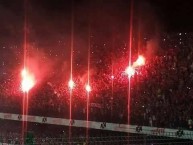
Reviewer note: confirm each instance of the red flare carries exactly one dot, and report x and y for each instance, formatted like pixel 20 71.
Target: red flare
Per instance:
pixel 28 81
pixel 140 61
pixel 88 88
pixel 130 71
pixel 71 84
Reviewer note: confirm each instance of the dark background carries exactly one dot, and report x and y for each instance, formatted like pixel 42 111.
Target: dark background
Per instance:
pixel 49 27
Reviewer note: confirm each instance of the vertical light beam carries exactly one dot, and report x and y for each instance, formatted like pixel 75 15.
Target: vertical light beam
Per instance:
pixel 130 52
pixel 24 106
pixel 88 88
pixel 71 83
pixel 112 77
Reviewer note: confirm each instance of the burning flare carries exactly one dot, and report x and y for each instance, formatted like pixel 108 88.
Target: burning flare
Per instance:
pixel 88 88
pixel 71 84
pixel 28 81
pixel 130 71
pixel 140 61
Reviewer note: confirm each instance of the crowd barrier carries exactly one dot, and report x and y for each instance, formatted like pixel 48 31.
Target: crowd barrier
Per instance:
pixel 166 132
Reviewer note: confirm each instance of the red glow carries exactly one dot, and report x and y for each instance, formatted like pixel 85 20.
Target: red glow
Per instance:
pixel 140 61
pixel 28 81
pixel 112 77
pixel 71 84
pixel 88 88
pixel 130 71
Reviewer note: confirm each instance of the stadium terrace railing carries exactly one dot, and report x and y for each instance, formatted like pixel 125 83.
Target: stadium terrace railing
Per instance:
pixel 145 130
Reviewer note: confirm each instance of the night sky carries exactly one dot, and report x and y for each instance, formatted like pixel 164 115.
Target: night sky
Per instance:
pixel 52 18
pixel 176 15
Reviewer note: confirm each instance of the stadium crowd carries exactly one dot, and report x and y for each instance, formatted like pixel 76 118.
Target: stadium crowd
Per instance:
pixel 161 92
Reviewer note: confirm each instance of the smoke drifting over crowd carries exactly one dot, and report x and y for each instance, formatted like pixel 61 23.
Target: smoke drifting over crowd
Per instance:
pixel 101 26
